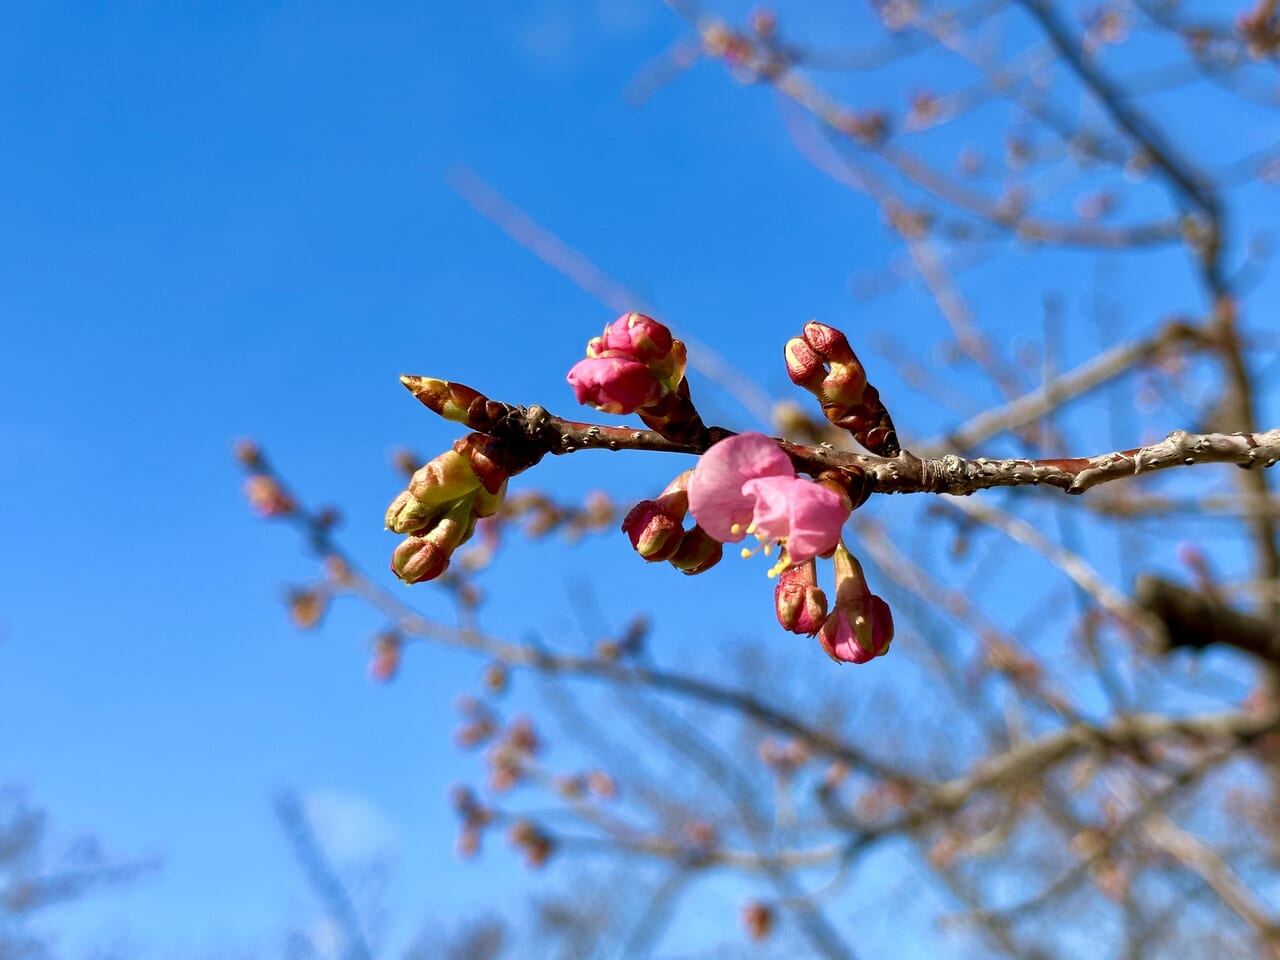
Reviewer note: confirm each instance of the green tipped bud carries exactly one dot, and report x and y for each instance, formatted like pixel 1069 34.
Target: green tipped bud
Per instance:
pixel 407 514
pixel 457 402
pixel 447 477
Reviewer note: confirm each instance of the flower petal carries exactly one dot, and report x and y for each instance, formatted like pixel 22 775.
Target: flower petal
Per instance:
pixel 805 514
pixel 716 497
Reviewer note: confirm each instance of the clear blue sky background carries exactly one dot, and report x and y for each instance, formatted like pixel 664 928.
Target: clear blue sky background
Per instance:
pixel 233 218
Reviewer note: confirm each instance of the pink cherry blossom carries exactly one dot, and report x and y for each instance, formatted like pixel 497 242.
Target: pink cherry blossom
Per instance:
pixel 746 484
pixel 613 384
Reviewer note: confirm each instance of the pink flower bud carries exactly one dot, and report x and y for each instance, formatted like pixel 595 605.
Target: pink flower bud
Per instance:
pixel 637 337
pixel 613 384
pixel 804 367
pixel 655 527
pixel 800 604
pixel 861 626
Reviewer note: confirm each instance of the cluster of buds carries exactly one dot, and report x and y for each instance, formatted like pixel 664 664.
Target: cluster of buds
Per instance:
pixel 445 497
pixel 822 362
pixel 859 629
pixel 657 532
pixel 636 366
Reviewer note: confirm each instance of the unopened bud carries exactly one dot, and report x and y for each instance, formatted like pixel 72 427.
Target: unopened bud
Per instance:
pixel 487 459
pixel 804 366
pixel 861 626
pixel 654 526
pixel 446 477
pixel 416 560
pixel 457 402
pixel 801 606
pixel 697 553
pixel 408 514
pixel 636 336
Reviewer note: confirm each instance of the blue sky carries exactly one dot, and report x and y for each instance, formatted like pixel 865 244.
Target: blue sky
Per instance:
pixel 234 219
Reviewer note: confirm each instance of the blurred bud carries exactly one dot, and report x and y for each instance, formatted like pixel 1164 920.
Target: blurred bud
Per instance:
pixel 701 834
pixel 523 736
pixel 468 843
pixel 267 497
pixel 307 607
pixel 764 23
pixel 757 919
pixel 335 568
pixel 536 845
pixel 799 603
pixel 248 453
pixel 495 678
pixel 385 662
pixel 602 785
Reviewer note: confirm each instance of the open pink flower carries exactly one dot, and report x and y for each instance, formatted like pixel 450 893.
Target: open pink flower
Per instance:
pixel 746 484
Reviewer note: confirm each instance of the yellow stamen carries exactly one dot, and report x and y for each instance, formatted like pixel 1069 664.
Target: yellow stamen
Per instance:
pixel 736 529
